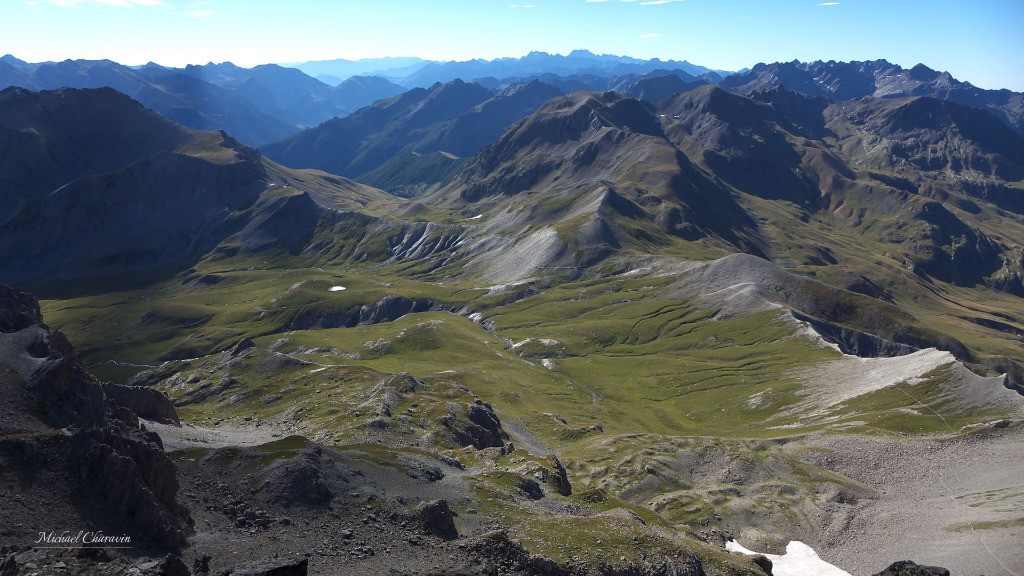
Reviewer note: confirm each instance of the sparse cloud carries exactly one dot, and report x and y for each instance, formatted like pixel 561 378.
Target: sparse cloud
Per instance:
pixel 199 11
pixel 594 1
pixel 650 35
pixel 116 3
pixel 658 2
pixel 829 4
pixel 129 3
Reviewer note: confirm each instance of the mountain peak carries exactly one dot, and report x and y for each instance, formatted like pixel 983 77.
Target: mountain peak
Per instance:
pixel 923 73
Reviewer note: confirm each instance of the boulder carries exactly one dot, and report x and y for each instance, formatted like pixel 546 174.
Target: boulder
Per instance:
pixel 437 518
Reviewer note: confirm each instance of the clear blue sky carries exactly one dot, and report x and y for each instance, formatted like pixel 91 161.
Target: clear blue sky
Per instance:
pixel 980 41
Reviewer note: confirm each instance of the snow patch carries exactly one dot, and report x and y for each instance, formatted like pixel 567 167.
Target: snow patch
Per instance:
pixel 477 217
pixel 336 289
pixel 799 560
pixel 846 378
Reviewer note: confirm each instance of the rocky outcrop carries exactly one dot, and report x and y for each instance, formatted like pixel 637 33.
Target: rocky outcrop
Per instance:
pixel 145 402
pixel 438 518
pixel 560 479
pixel 908 568
pixel 476 426
pixel 108 450
pixel 272 567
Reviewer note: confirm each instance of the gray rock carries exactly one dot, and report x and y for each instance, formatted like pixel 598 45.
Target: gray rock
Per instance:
pixel 437 518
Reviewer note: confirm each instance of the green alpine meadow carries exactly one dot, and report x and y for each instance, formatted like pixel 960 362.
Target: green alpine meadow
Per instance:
pixel 564 313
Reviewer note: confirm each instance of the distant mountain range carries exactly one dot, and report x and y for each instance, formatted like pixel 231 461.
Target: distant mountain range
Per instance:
pixel 418 73
pixel 335 71
pixel 269 103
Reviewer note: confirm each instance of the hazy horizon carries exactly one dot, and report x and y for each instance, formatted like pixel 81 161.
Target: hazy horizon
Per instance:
pixel 979 45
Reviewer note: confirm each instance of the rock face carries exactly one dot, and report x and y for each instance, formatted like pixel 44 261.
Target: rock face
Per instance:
pixel 908 568
pixel 108 451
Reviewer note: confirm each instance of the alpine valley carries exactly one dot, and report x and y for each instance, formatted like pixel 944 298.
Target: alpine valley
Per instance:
pixel 557 315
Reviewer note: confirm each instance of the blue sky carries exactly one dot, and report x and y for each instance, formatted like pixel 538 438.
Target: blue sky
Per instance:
pixel 980 41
